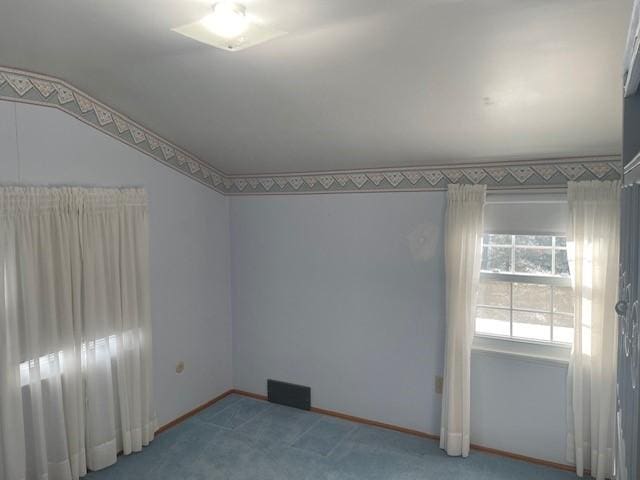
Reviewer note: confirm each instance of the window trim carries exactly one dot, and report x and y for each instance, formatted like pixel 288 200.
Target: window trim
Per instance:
pixel 522 349
pixel 503 344
pixel 510 279
pixel 553 248
pixel 553 280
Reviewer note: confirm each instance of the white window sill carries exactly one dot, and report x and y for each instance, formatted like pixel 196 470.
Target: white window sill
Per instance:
pixel 536 352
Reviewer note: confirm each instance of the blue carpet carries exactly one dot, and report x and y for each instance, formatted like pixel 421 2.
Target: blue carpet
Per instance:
pixel 240 438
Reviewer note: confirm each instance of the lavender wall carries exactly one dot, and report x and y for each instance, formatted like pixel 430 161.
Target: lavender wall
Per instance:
pixel 189 243
pixel 327 292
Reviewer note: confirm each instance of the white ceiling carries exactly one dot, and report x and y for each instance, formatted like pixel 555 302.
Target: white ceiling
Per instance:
pixel 355 84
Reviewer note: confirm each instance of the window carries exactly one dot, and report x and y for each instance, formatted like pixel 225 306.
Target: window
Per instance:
pixel 52 364
pixel 525 289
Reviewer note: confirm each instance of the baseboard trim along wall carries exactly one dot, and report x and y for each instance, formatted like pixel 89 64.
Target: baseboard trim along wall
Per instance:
pixel 191 413
pixel 351 418
pixel 373 423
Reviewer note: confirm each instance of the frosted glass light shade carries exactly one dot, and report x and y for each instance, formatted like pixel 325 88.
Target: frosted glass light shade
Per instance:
pixel 228 27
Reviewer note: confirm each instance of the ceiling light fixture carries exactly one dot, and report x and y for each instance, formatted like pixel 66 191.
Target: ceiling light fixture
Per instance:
pixel 229 27
pixel 229 19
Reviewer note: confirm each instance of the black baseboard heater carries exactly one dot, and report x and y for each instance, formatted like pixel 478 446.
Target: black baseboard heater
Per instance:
pixel 283 393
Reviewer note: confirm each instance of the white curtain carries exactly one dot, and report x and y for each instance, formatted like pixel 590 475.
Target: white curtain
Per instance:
pixel 593 245
pixel 75 334
pixel 463 253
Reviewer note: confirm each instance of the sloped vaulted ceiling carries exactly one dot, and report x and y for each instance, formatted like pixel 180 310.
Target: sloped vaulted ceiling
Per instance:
pixel 429 85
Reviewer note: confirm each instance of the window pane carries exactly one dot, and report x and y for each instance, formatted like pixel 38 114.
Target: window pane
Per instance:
pixel 533 260
pixel 535 240
pixel 494 293
pixel 493 239
pixel 563 300
pixel 562 263
pixel 531 325
pixel 492 321
pixel 531 296
pixel 528 311
pixel 562 328
pixel 496 259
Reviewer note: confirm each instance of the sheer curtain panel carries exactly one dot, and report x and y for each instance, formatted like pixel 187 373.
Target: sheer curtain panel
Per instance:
pixel 75 333
pixel 593 246
pixel 463 252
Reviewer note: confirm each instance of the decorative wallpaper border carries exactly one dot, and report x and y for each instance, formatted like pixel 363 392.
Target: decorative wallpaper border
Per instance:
pixel 497 176
pixel 27 87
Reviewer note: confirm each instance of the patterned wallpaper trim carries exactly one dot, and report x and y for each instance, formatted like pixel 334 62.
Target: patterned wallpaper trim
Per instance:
pixel 26 87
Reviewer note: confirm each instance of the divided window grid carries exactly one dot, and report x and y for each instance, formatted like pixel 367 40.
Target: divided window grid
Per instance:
pixel 525 289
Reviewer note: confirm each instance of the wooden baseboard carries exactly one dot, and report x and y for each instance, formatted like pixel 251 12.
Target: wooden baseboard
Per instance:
pixel 525 458
pixel 373 423
pixel 249 394
pixel 388 426
pixel 191 413
pixel 351 418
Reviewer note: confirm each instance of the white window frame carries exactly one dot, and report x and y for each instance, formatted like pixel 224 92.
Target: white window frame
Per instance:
pixel 511 278
pixel 553 247
pixel 542 350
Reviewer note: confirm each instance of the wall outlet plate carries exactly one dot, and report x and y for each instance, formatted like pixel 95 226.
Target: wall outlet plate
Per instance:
pixel 180 367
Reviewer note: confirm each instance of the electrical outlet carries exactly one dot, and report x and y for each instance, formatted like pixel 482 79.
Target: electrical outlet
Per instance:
pixel 180 367
pixel 439 384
